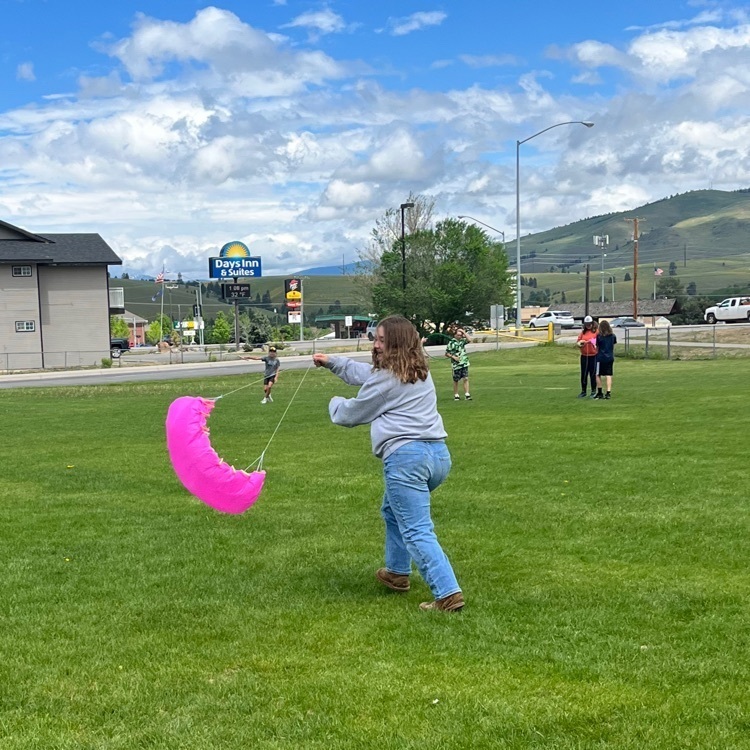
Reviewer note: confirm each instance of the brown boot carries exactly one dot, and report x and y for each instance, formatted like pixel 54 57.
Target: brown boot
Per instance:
pixel 393 581
pixel 452 603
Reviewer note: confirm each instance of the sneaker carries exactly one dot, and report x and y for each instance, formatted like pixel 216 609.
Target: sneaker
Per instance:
pixel 394 581
pixel 582 394
pixel 608 396
pixel 264 401
pixel 468 397
pixel 269 398
pixel 457 397
pixel 452 603
pixel 598 395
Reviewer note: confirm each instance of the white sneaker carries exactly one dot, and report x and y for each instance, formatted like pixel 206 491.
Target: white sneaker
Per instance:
pixel 264 401
pixel 269 397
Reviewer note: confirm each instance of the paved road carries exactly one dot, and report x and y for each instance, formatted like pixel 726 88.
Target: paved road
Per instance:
pixel 175 371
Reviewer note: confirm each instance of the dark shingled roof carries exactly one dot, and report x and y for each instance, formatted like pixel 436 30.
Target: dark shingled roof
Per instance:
pixel 620 309
pixel 63 249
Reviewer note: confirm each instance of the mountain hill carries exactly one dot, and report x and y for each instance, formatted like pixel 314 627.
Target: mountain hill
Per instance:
pixel 704 235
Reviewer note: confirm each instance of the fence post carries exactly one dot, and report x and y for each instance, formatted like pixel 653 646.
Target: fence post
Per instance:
pixel 646 354
pixel 669 343
pixel 713 337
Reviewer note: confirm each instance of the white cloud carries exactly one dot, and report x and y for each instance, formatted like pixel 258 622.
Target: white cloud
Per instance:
pixel 319 22
pixel 416 22
pixel 25 72
pixel 226 51
pixel 212 130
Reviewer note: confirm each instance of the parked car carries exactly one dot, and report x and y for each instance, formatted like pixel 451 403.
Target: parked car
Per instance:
pixel 372 330
pixel 561 318
pixel 731 310
pixel 626 323
pixel 118 346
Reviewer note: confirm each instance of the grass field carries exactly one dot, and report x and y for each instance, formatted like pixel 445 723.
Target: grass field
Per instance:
pixel 602 548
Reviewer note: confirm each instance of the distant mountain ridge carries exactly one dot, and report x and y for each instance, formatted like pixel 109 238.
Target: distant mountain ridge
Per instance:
pixel 346 270
pixel 703 223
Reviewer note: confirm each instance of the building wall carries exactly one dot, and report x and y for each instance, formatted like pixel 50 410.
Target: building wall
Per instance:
pixel 75 315
pixel 19 302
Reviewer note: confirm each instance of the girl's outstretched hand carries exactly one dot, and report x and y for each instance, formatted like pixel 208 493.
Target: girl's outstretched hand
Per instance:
pixel 320 360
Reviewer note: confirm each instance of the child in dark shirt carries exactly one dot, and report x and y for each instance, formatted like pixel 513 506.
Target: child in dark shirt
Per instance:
pixel 605 358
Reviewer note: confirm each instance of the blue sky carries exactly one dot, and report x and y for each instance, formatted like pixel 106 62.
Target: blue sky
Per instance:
pixel 174 127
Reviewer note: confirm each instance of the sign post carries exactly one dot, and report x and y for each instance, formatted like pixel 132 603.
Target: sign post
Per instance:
pixel 235 262
pixel 294 302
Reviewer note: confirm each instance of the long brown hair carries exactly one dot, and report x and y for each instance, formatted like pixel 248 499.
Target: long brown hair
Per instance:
pixel 605 329
pixel 402 353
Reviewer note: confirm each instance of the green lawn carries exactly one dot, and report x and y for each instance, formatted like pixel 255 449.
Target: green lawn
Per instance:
pixel 602 548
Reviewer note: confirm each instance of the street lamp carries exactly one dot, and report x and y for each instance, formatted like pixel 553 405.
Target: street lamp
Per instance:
pixel 518 209
pixel 499 231
pixel 404 206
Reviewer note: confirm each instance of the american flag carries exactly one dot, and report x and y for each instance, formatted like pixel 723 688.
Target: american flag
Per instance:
pixel 160 278
pixel 658 271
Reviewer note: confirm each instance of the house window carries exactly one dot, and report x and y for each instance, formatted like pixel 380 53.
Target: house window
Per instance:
pixel 22 270
pixel 25 326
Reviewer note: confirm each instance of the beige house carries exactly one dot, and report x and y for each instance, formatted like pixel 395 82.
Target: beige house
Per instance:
pixel 54 299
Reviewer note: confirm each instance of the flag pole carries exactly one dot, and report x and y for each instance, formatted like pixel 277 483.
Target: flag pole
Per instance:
pixel 161 314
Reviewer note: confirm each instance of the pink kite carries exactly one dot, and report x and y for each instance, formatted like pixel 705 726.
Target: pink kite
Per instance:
pixel 197 464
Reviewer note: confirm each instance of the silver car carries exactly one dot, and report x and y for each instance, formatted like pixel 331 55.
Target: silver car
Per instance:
pixel 561 318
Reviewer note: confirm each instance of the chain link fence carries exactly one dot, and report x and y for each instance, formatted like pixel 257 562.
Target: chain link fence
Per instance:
pixel 686 342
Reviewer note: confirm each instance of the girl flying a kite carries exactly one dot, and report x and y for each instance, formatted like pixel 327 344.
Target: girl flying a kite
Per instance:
pixel 397 399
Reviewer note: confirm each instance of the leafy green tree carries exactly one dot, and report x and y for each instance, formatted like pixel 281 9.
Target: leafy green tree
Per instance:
pixel 691 289
pixel 452 269
pixel 221 331
pixel 689 310
pixel 255 328
pixel 669 287
pixel 673 269
pixel 118 327
pixel 159 329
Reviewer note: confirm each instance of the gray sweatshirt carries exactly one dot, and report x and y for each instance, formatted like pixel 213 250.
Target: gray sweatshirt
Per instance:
pixel 397 412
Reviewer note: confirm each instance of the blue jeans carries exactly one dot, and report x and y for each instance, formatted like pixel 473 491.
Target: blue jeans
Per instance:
pixel 411 473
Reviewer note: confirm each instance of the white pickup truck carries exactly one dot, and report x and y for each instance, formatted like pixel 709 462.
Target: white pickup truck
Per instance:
pixel 731 310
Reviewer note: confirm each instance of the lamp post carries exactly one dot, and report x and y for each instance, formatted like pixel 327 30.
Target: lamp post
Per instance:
pixel 518 209
pixel 499 231
pixel 601 241
pixel 404 206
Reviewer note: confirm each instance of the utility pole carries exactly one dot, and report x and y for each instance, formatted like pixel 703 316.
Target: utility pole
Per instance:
pixel 635 266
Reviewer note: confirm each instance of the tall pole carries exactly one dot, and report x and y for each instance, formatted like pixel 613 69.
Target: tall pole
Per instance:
pixel 586 298
pixel 518 237
pixel 518 209
pixel 161 313
pixel 301 312
pixel 404 206
pixel 635 266
pixel 200 313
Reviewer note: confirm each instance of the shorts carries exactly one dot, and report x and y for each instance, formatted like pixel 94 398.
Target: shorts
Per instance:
pixel 269 381
pixel 460 373
pixel 604 368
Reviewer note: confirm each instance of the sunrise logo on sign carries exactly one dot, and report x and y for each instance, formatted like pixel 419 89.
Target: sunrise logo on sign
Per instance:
pixel 234 249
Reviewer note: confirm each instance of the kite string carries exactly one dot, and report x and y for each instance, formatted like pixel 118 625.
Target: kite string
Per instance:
pixel 259 460
pixel 247 385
